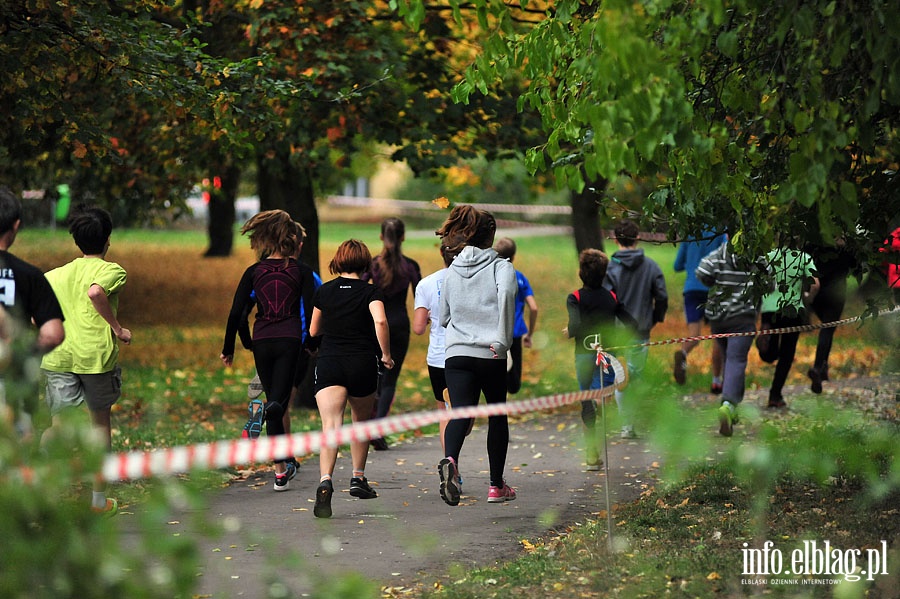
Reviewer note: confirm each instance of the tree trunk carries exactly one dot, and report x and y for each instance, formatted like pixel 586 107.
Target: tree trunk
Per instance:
pixel 586 215
pixel 282 185
pixel 221 213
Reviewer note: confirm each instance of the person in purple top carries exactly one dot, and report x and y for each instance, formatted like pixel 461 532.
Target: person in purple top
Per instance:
pixel 279 284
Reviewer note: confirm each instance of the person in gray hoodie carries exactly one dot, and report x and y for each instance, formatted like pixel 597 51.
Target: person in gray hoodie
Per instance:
pixel 640 286
pixel 477 307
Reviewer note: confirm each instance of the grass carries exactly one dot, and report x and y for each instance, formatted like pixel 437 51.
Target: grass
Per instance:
pixel 679 539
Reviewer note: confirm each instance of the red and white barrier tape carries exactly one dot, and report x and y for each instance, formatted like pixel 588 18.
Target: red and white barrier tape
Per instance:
pixel 796 329
pixel 222 454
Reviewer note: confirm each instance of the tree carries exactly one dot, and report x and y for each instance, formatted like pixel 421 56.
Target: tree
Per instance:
pixel 770 120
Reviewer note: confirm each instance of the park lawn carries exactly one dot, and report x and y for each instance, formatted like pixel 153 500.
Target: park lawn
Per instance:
pixel 177 392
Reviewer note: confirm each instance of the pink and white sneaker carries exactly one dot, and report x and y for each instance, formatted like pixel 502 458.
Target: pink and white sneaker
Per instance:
pixel 501 494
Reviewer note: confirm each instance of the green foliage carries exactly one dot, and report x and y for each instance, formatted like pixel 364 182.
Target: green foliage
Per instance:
pixel 54 546
pixel 772 120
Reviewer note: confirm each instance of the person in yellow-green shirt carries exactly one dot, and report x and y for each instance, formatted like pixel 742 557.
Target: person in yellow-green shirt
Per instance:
pixel 84 368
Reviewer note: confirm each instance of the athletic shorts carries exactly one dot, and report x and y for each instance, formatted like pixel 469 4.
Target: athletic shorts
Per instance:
pixel 67 389
pixel 357 373
pixel 438 382
pixel 694 303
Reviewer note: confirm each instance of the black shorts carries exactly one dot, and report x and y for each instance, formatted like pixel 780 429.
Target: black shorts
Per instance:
pixel 438 382
pixel 357 373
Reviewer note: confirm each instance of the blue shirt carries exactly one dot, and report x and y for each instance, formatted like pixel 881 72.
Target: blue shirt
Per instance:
pixel 520 329
pixel 690 253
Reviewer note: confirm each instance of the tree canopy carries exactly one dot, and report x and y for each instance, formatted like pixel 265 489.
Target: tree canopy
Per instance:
pixel 775 121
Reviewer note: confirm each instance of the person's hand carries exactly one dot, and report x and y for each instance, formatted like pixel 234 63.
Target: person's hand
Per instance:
pixel 494 351
pixel 387 361
pixel 124 336
pixel 227 360
pixel 526 340
pixel 565 331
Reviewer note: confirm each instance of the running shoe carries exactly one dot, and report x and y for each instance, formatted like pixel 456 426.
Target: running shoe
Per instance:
pixel 628 432
pixel 776 402
pixel 109 510
pixel 322 508
pixel 679 368
pixel 501 494
pixel 816 379
pixel 592 459
pixel 379 444
pixel 253 428
pixel 715 388
pixel 450 490
pixel 359 487
pixel 726 419
pixel 282 480
pixel 255 388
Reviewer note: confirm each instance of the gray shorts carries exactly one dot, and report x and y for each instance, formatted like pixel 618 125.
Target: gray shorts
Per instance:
pixel 99 391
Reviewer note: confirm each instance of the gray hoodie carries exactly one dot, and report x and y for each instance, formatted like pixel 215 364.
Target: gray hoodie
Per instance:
pixel 478 304
pixel 639 284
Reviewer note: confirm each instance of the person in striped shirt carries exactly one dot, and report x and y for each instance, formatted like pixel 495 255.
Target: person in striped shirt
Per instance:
pixel 732 307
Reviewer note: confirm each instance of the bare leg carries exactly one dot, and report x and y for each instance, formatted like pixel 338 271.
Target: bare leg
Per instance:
pixel 693 329
pixel 101 421
pixel 360 411
pixel 331 402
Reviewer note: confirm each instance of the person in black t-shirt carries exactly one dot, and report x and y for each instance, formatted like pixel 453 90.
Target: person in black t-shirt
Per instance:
pixel 348 314
pixel 28 300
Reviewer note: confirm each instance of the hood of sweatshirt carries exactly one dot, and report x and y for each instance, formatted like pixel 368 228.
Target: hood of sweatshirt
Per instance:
pixel 630 259
pixel 472 260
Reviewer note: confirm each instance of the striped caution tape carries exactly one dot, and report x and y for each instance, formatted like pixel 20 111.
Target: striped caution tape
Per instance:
pixel 592 341
pixel 222 454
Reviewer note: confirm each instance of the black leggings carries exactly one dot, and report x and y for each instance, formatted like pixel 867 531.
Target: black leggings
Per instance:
pixel 782 347
pixel 276 361
pixel 467 378
pixel 387 384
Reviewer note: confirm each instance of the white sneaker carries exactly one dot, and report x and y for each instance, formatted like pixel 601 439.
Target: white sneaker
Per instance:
pixel 628 432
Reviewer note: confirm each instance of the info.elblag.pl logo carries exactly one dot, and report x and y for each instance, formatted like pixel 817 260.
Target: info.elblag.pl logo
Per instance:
pixel 825 563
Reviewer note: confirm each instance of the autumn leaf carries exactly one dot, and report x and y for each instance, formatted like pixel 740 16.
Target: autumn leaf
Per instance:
pixel 80 150
pixel 441 202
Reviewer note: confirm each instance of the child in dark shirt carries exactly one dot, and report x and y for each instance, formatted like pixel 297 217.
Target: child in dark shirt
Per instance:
pixel 593 311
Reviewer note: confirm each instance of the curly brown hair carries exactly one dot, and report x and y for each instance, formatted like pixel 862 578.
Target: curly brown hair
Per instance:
pixel 271 232
pixel 475 227
pixel 592 265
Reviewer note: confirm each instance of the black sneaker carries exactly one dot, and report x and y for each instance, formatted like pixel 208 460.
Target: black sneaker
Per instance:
pixel 816 380
pixel 379 444
pixel 282 480
pixel 322 508
pixel 359 487
pixel 679 368
pixel 776 402
pixel 450 491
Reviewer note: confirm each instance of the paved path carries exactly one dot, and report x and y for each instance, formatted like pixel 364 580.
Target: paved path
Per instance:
pixel 408 535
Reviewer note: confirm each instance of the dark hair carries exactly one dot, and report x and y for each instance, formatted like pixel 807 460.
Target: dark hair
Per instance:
pixel 627 232
pixel 10 209
pixel 454 245
pixel 592 266
pixel 477 227
pixel 352 256
pixel 272 231
pixel 506 248
pixel 391 256
pixel 90 227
